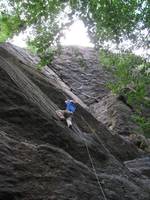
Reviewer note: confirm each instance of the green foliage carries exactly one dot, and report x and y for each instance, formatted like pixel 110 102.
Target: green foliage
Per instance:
pixel 46 58
pixel 108 59
pixel 143 123
pixel 9 24
pixel 43 50
pixel 32 49
pixel 132 80
pixel 42 15
pixel 113 20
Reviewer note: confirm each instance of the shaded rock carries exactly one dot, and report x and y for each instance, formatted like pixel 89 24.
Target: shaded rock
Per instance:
pixel 116 115
pixel 140 141
pixel 41 158
pixel 140 166
pixel 81 70
pixel 141 170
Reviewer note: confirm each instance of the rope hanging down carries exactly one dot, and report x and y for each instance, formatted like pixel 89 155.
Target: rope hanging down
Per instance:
pixel 92 164
pixel 32 91
pixel 29 89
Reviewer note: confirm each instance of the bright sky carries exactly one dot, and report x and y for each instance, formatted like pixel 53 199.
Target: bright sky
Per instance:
pixel 75 35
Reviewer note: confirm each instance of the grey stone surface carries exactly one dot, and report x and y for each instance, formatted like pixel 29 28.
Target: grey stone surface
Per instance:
pixel 116 115
pixel 80 69
pixel 41 158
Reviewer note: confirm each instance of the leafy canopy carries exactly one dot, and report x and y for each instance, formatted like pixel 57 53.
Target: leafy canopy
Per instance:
pixel 106 20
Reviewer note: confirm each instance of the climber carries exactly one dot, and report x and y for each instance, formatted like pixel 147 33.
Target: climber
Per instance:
pixel 67 114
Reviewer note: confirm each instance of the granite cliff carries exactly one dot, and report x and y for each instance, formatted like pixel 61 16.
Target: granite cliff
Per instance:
pixel 41 158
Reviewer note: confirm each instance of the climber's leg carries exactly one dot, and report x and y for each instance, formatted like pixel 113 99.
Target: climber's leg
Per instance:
pixel 68 117
pixel 69 121
pixel 65 115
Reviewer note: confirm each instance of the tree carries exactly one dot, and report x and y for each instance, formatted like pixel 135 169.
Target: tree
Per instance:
pixel 9 24
pixel 116 20
pixel 106 20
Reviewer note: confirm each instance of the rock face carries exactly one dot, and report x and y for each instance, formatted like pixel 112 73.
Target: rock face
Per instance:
pixel 80 69
pixel 41 158
pixel 140 168
pixel 116 115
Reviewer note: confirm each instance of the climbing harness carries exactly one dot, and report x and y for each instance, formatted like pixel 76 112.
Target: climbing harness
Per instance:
pixel 92 164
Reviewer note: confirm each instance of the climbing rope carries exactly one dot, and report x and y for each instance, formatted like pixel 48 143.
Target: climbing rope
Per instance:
pixel 93 131
pixel 29 89
pixel 93 167
pixel 32 91
pixel 96 175
pixel 87 149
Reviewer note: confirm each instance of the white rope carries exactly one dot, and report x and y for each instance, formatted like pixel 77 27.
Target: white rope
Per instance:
pixel 29 89
pixel 25 86
pixel 94 170
pixel 96 175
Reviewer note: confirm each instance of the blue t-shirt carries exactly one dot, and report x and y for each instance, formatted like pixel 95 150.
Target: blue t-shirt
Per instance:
pixel 70 106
